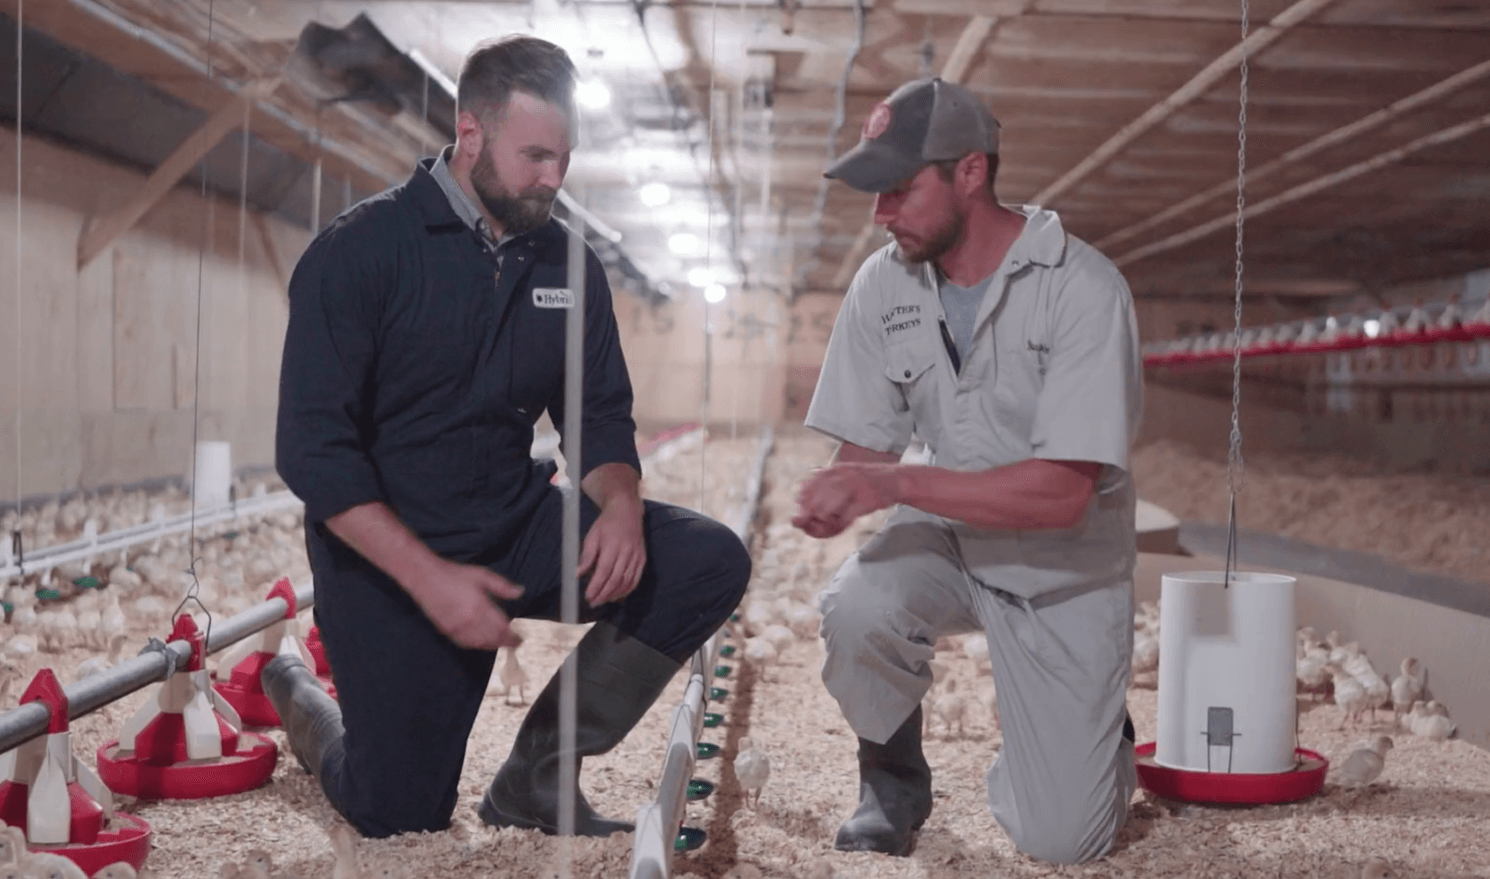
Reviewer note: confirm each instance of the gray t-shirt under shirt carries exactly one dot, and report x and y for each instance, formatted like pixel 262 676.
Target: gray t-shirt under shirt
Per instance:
pixel 961 305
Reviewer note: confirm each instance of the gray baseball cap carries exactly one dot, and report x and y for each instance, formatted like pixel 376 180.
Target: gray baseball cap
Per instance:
pixel 929 120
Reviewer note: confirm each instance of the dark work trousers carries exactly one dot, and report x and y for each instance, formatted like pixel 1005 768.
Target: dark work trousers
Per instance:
pixel 409 696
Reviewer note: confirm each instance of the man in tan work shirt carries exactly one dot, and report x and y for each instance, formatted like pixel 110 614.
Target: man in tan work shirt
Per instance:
pixel 1010 348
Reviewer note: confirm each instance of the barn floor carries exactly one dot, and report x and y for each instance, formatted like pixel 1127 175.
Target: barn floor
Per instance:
pixel 1426 814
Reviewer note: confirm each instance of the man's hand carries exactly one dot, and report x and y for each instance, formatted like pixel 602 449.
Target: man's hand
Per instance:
pixel 458 600
pixel 614 552
pixel 835 496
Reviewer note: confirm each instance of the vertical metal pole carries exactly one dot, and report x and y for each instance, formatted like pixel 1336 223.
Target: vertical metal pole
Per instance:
pixel 574 366
pixel 20 111
pixel 315 197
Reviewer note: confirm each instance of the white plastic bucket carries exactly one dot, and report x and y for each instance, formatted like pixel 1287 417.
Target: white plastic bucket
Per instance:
pixel 213 481
pixel 1226 673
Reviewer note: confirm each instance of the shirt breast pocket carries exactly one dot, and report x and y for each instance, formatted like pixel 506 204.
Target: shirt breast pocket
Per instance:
pixel 909 366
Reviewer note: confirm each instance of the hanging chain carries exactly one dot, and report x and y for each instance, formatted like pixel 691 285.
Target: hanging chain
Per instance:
pixel 1235 470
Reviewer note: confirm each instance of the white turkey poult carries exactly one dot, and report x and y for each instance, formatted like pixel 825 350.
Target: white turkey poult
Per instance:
pixel 1363 765
pixel 752 768
pixel 1407 687
pixel 1350 693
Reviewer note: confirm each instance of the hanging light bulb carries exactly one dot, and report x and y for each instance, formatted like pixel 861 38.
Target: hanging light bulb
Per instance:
pixel 714 294
pixel 683 243
pixel 701 277
pixel 655 194
pixel 592 94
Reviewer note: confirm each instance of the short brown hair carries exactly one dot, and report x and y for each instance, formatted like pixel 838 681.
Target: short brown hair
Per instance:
pixel 948 167
pixel 517 62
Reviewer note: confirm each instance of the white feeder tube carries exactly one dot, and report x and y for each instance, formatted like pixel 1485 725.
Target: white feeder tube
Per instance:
pixel 1226 673
pixel 212 483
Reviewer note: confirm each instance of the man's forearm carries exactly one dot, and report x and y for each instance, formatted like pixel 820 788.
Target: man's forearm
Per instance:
pixel 848 453
pixel 375 532
pixel 612 482
pixel 1029 494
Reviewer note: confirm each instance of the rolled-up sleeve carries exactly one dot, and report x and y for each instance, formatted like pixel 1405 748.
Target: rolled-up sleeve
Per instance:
pixel 608 431
pixel 326 374
pixel 854 401
pixel 1089 406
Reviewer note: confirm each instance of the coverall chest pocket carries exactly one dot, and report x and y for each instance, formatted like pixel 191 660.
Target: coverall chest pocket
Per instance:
pixel 909 366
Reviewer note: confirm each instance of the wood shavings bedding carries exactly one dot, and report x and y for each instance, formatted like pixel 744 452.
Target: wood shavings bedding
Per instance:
pixel 1426 814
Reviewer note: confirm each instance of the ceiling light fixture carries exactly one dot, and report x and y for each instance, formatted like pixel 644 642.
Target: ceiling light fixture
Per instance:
pixel 592 94
pixel 655 195
pixel 683 243
pixel 714 293
pixel 700 277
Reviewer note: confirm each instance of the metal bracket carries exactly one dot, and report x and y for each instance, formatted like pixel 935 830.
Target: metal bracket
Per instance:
pixel 1220 729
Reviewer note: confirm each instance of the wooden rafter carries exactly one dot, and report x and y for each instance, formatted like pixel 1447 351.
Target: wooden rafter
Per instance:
pixel 98 236
pixel 1303 190
pixel 1213 73
pixel 1340 135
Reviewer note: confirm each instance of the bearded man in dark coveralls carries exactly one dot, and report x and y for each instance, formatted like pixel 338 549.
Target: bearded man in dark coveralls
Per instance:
pixel 425 339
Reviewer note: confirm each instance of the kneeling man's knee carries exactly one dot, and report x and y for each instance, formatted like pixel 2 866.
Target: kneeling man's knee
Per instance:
pixel 1069 838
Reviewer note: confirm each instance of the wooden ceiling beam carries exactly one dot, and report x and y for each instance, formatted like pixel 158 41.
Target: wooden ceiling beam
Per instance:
pixel 135 50
pixel 1201 82
pixel 1340 135
pixel 97 236
pixel 1303 190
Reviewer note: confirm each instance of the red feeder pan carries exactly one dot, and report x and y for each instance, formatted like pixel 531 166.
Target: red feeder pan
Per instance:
pixel 93 839
pixel 161 765
pixel 243 688
pixel 317 650
pixel 1236 788
pixel 245 693
pixel 128 840
pixel 248 767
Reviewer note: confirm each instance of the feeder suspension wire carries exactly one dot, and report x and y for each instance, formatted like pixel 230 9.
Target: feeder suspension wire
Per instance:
pixel 15 536
pixel 193 592
pixel 1235 471
pixel 243 202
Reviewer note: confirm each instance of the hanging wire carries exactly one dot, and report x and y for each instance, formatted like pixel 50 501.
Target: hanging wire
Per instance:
pixel 1235 471
pixel 193 592
pixel 703 446
pixel 17 547
pixel 243 204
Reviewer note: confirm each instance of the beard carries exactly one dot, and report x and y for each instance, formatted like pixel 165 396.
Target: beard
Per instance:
pixel 933 247
pixel 516 214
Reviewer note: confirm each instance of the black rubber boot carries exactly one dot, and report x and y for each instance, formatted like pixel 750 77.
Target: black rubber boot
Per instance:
pixel 894 794
pixel 310 717
pixel 618 679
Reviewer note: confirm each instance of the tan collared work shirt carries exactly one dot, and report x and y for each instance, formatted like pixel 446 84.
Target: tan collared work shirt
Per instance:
pixel 1053 372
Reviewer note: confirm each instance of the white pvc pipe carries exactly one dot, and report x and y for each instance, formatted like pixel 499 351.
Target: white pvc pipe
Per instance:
pixel 1226 673
pixel 657 822
pixel 49 557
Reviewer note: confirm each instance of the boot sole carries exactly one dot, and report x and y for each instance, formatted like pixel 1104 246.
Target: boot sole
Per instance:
pixel 492 817
pixel 856 844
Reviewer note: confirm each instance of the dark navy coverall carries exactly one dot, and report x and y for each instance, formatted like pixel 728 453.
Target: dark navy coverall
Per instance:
pixel 415 366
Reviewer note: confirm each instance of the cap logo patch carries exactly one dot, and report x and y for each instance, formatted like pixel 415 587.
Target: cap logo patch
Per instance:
pixel 878 121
